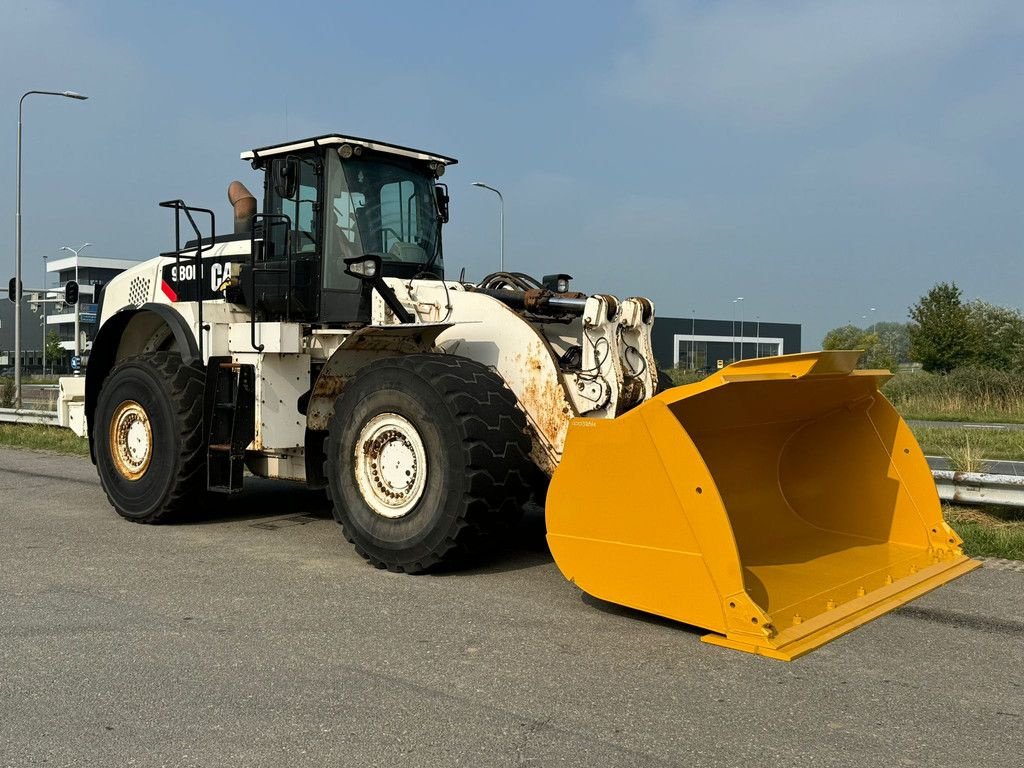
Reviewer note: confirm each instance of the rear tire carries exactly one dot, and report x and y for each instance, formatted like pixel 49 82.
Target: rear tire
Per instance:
pixel 148 441
pixel 427 457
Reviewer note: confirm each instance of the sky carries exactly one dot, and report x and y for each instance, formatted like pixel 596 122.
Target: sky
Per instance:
pixel 816 158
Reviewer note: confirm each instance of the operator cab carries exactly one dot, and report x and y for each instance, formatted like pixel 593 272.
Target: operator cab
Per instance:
pixel 332 198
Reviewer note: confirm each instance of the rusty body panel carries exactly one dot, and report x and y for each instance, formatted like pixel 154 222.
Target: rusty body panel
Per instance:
pixel 359 348
pixel 489 332
pixel 544 400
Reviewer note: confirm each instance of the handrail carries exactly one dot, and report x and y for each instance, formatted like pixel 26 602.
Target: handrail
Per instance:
pixel 178 206
pixel 252 269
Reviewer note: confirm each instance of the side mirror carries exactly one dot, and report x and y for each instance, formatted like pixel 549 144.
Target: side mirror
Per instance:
pixel 71 293
pixel 286 177
pixel 441 197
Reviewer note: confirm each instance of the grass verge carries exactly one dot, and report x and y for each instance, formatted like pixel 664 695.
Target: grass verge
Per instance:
pixel 967 448
pixel 43 438
pixel 988 531
pixel 966 394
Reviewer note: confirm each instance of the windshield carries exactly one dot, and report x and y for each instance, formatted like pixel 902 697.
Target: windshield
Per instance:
pixel 384 206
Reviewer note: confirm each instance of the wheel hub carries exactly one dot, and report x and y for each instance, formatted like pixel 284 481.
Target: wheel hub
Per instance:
pixel 131 440
pixel 390 465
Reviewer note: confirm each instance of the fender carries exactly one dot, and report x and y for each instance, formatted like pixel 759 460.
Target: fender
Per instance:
pixel 360 348
pixel 103 355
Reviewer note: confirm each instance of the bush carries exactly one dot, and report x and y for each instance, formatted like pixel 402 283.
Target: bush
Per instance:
pixel 6 392
pixel 682 376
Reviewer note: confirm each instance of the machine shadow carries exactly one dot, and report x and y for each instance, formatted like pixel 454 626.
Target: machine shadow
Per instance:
pixel 277 502
pixel 524 547
pixel 612 609
pixel 259 500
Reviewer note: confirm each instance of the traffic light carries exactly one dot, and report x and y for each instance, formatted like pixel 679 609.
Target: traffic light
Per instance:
pixel 14 290
pixel 71 293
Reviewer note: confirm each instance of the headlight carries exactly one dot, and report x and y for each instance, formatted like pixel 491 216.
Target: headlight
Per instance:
pixel 557 283
pixel 363 266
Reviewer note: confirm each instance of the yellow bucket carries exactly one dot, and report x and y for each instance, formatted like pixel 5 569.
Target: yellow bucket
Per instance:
pixel 778 503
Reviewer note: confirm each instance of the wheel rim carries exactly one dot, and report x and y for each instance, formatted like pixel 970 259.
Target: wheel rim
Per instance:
pixel 131 440
pixel 390 465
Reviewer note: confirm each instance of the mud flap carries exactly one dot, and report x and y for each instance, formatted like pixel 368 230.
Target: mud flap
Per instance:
pixel 778 503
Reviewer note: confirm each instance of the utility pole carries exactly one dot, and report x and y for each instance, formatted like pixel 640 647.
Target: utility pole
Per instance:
pixel 78 304
pixel 693 340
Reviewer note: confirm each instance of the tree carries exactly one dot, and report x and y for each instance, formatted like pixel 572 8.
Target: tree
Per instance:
pixel 54 351
pixel 941 334
pixel 876 355
pixel 998 335
pixel 894 339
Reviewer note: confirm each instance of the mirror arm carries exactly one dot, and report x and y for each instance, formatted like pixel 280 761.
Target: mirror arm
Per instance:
pixel 376 282
pixel 390 298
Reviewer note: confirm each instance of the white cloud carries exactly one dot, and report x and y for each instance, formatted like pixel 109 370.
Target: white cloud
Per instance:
pixel 744 60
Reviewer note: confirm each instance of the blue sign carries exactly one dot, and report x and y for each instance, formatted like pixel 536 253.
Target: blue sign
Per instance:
pixel 76 362
pixel 87 312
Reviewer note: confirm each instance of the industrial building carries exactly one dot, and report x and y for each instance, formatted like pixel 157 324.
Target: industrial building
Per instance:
pixel 91 272
pixel 700 344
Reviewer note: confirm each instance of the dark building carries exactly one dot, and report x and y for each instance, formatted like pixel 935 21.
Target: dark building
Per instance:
pixel 31 335
pixel 693 343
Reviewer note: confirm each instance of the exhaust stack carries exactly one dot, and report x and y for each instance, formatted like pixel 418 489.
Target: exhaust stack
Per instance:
pixel 244 205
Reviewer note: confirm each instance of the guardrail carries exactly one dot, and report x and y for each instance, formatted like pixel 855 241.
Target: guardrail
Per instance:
pixel 959 487
pixel 979 488
pixel 28 416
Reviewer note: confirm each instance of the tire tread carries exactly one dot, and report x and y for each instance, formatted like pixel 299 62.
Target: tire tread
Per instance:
pixel 495 453
pixel 186 384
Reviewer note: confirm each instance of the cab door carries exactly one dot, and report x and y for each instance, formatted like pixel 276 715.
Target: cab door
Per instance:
pixel 287 273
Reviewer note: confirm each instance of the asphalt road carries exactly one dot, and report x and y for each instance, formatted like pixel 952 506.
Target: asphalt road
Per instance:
pixel 991 466
pixel 963 425
pixel 256 637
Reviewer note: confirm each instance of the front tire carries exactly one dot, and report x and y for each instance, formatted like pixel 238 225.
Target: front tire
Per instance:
pixel 148 441
pixel 427 458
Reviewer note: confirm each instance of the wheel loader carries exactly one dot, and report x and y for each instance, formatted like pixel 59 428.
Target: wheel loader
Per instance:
pixel 778 503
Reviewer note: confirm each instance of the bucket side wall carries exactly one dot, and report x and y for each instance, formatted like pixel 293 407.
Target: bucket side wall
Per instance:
pixel 627 523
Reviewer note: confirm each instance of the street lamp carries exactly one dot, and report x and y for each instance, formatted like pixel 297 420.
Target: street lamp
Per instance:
pixel 501 223
pixel 737 300
pixel 17 243
pixel 693 340
pixel 78 304
pixel 45 296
